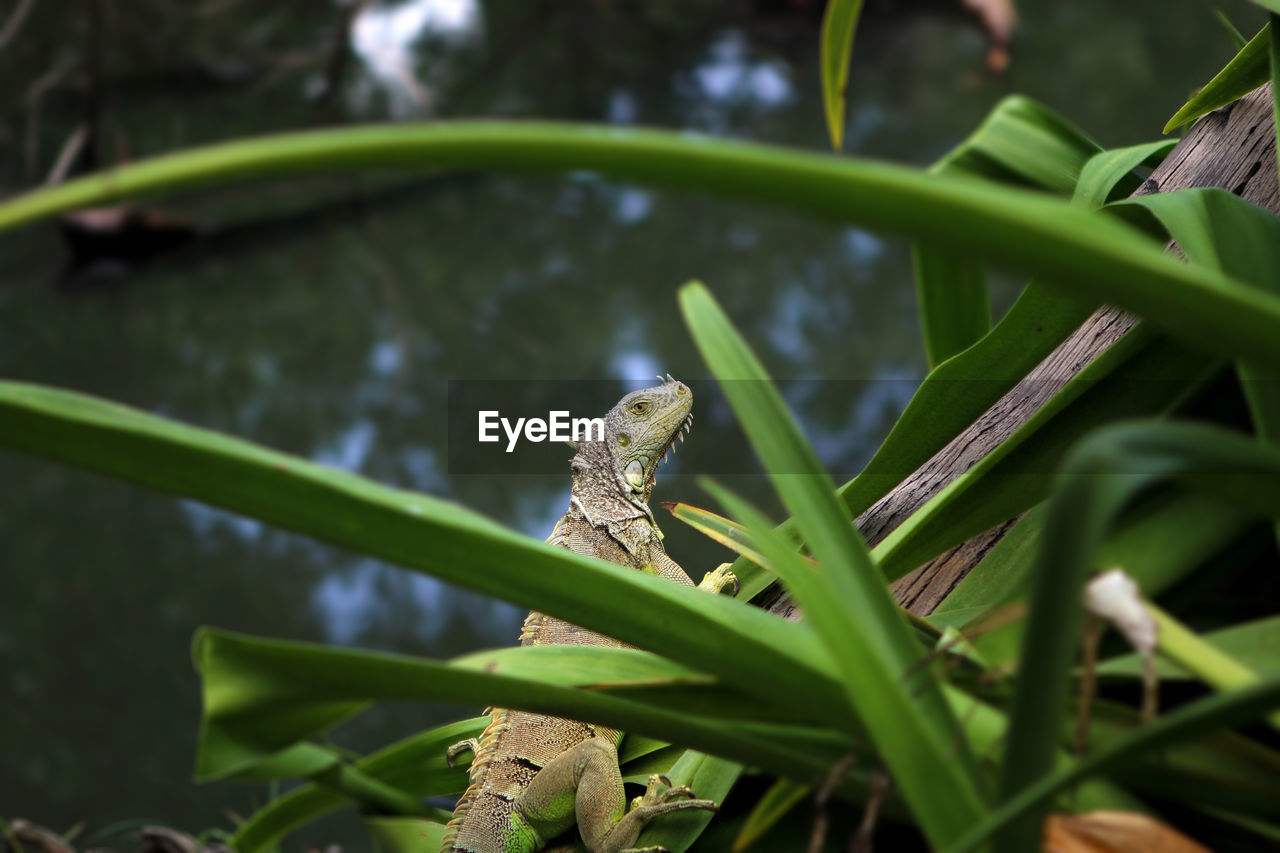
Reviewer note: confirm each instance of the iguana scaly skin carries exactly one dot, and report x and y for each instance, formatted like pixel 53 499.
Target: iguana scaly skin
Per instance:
pixel 533 776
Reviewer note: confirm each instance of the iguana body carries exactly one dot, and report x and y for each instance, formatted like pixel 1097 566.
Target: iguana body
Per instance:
pixel 534 776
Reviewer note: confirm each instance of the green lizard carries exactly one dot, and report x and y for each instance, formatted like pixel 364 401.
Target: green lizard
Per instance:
pixel 533 775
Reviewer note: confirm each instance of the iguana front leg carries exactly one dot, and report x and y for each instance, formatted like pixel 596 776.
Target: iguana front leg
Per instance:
pixel 585 782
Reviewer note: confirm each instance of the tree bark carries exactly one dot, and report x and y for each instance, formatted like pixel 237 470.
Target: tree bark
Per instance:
pixel 1233 148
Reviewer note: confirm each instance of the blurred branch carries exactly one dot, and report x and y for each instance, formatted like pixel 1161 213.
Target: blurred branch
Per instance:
pixel 15 21
pixel 67 155
pixel 34 95
pixel 340 50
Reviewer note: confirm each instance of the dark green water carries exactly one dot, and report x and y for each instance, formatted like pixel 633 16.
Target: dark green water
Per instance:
pixel 326 318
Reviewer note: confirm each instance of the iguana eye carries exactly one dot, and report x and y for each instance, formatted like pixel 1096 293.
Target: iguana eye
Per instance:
pixel 640 406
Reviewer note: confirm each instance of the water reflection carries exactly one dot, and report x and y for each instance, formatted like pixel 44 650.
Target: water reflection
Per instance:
pixel 324 318
pixel 385 37
pixel 732 78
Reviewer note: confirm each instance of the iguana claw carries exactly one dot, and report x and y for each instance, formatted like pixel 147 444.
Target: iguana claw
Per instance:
pixel 471 745
pixel 718 578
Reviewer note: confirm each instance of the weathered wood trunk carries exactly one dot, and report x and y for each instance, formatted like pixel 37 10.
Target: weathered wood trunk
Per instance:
pixel 1233 148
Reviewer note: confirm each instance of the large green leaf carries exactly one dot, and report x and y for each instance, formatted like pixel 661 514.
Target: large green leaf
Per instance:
pixel 1246 71
pixel 1068 247
pixel 708 777
pixel 845 600
pixel 713 633
pixel 1101 476
pixel 1020 142
pixel 1218 230
pixel 262 696
pixel 1109 173
pixel 839 23
pixel 416 765
pixel 952 296
pixel 1024 142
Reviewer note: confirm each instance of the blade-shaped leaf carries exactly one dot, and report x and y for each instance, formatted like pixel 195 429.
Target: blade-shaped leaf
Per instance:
pixel 1068 247
pixel 844 600
pixel 954 309
pixel 1110 172
pixel 421 532
pixel 416 764
pixel 708 777
pixel 1022 142
pixel 261 696
pixel 839 23
pixel 917 748
pixel 1274 24
pixel 1246 71
pixel 753 575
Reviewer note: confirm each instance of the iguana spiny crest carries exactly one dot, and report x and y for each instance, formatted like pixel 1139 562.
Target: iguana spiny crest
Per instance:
pixel 613 478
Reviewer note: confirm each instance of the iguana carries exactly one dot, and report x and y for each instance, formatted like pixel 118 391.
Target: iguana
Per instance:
pixel 533 775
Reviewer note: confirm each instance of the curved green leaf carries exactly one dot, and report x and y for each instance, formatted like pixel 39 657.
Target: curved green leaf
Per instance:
pixel 1068 247
pixel 1110 172
pixel 952 296
pixel 839 23
pixel 1246 71
pixel 261 696
pixel 844 599
pixel 1020 142
pixel 416 764
pixel 708 777
pixel 714 633
pixel 753 574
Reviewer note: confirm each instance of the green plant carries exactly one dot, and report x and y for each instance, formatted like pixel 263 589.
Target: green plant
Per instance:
pixel 972 765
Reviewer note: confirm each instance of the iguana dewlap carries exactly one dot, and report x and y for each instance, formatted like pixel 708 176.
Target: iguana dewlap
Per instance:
pixel 534 776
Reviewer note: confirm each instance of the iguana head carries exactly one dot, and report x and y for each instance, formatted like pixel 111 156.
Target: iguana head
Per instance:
pixel 638 433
